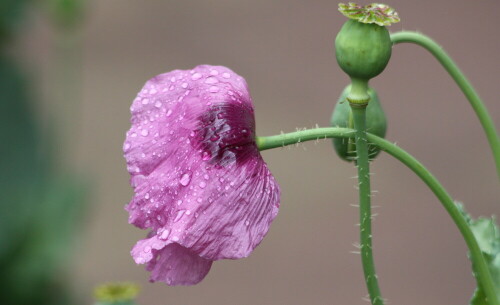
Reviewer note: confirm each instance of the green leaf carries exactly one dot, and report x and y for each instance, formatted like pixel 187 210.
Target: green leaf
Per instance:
pixel 488 237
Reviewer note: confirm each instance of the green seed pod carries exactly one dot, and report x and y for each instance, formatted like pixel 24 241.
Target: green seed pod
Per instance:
pixel 363 49
pixel 376 123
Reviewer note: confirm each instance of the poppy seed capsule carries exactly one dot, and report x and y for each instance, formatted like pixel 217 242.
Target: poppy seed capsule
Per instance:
pixel 363 49
pixel 376 123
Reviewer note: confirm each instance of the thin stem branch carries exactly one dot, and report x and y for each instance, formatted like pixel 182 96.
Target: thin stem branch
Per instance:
pixel 365 215
pixel 483 275
pixel 462 82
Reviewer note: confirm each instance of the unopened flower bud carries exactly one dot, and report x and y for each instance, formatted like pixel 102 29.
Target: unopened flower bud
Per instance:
pixel 376 123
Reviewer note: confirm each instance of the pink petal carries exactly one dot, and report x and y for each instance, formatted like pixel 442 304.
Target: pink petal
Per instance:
pixel 170 262
pixel 198 177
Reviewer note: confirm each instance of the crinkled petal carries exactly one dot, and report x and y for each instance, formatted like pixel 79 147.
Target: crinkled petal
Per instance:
pixel 170 262
pixel 198 177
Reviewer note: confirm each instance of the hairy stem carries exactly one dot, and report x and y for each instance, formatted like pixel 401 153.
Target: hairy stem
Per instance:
pixel 483 275
pixel 462 82
pixel 365 215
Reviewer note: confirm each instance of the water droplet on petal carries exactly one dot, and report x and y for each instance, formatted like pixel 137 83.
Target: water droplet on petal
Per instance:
pixel 169 112
pixel 206 176
pixel 179 202
pixel 184 85
pixel 205 156
pixel 147 249
pixel 188 212
pixel 158 104
pixel 152 91
pixel 203 184
pixel 164 235
pixel 196 76
pixel 133 135
pixel 179 215
pixel 199 200
pixel 226 75
pixel 172 79
pixel 211 80
pixel 126 146
pixel 146 196
pixel 185 179
pixel 214 72
pixel 145 101
pixel 247 223
pixel 213 89
pixel 175 238
pixel 144 132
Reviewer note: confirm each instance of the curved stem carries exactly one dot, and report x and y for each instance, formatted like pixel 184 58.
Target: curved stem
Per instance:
pixel 483 275
pixel 462 82
pixel 365 209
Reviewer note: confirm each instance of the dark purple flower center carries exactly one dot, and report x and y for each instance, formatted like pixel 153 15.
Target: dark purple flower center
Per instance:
pixel 226 134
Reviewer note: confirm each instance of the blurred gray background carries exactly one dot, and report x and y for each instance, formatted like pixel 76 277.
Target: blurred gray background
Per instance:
pixel 284 49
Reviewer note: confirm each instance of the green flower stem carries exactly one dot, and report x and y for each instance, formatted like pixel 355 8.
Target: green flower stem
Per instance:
pixel 365 209
pixel 462 82
pixel 483 275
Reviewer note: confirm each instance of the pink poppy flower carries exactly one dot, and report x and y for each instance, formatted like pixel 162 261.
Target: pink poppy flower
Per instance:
pixel 200 184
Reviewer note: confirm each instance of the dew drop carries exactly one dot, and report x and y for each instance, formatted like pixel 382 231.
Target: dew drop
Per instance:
pixel 202 184
pixel 179 215
pixel 196 76
pixel 133 135
pixel 152 91
pixel 179 202
pixel 172 79
pixel 184 85
pixel 247 223
pixel 214 72
pixel 158 104
pixel 126 146
pixel 164 235
pixel 144 132
pixel 213 89
pixel 145 101
pixel 205 156
pixel 206 176
pixel 211 80
pixel 175 238
pixel 226 75
pixel 146 196
pixel 188 212
pixel 199 200
pixel 147 249
pixel 185 179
